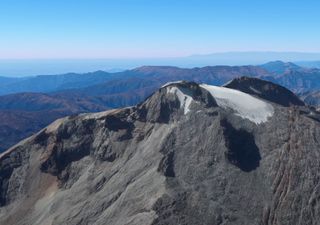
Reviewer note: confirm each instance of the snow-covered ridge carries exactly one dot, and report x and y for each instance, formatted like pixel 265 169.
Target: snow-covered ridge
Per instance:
pixel 171 82
pixel 184 99
pixel 243 104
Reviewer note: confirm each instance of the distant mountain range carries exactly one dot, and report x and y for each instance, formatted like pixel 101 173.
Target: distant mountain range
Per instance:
pixel 58 66
pixel 24 113
pixel 51 83
pixel 28 104
pixel 310 64
pixel 252 58
pixel 286 74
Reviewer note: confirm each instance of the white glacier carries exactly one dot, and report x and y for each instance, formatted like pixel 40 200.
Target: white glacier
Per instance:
pixel 171 82
pixel 243 104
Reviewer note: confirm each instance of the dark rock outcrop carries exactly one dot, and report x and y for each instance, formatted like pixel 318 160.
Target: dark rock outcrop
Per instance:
pixel 242 150
pixel 265 90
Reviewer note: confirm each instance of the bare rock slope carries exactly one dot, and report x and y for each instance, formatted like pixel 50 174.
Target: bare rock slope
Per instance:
pixel 189 154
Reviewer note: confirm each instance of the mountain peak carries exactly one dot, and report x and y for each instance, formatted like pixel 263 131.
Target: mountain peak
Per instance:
pixel 280 67
pixel 190 96
pixel 265 90
pixel 168 160
pixel 174 99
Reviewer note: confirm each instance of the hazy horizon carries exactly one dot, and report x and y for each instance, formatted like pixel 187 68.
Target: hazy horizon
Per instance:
pixel 33 67
pixel 55 37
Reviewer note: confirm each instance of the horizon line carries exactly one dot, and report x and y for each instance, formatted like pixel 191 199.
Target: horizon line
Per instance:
pixel 164 57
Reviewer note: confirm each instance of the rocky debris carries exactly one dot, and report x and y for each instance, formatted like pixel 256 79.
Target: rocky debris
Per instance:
pixel 158 163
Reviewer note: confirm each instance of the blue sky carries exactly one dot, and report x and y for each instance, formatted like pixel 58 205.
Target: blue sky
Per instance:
pixel 34 29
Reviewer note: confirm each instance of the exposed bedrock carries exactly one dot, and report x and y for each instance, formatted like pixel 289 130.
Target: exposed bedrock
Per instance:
pixel 189 154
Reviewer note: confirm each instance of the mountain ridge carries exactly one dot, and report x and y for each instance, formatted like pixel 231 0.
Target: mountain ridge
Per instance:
pixel 277 71
pixel 130 87
pixel 158 163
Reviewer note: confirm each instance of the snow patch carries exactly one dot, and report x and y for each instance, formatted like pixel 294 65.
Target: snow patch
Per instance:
pixel 172 82
pixel 244 105
pixel 185 100
pixel 255 90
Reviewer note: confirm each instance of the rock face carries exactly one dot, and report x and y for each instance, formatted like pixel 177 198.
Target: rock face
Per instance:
pixel 186 155
pixel 266 90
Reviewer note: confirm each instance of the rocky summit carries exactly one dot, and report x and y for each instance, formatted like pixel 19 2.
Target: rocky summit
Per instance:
pixel 190 154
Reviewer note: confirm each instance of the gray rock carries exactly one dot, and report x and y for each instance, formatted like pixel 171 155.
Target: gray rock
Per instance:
pixel 157 164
